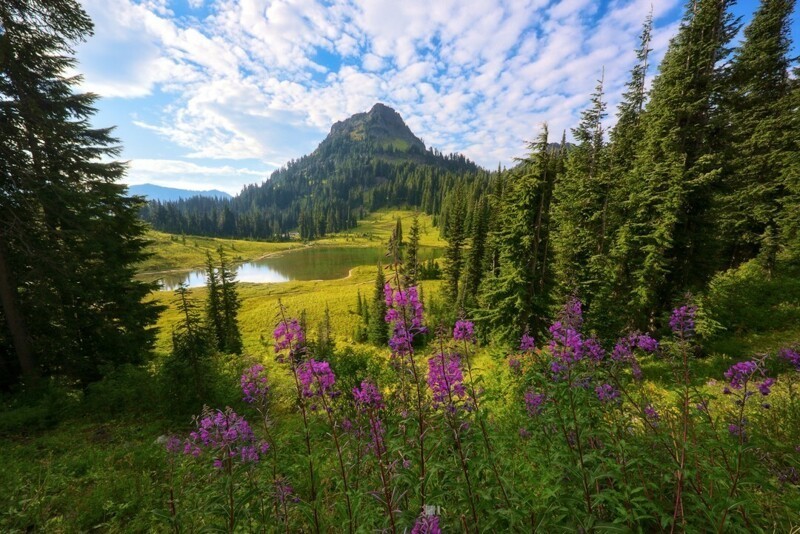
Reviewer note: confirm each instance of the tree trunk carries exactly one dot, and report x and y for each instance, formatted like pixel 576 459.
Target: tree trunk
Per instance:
pixel 14 319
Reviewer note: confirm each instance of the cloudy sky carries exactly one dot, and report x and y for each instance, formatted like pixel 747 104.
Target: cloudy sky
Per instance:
pixel 218 93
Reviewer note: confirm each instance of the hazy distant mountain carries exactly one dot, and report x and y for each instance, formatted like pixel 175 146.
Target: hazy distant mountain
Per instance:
pixel 171 194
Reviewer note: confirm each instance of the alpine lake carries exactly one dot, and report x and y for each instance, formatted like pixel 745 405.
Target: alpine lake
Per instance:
pixel 307 263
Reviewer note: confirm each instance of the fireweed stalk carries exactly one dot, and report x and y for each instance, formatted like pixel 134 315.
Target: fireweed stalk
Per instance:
pixel 318 381
pixel 369 403
pixel 227 438
pixel 446 382
pixel 741 377
pixel 682 324
pixel 289 336
pixel 405 315
pixel 255 391
pixel 569 348
pixel 464 331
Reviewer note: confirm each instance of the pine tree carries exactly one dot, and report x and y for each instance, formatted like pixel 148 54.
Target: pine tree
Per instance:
pixel 790 202
pixel 669 235
pixel 232 337
pixel 455 233
pixel 192 345
pixel 411 273
pixel 378 332
pixel 581 206
pixel 399 231
pixel 758 131
pixel 518 298
pixel 215 315
pixel 476 253
pixel 69 237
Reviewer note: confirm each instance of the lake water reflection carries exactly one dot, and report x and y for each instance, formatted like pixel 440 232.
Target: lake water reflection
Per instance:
pixel 311 263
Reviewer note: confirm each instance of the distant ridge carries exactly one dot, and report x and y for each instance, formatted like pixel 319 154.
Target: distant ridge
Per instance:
pixel 171 194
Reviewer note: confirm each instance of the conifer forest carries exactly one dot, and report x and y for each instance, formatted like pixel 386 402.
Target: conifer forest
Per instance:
pixel 601 336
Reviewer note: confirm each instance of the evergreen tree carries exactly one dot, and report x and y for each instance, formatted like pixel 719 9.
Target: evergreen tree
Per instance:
pixel 412 254
pixel 324 347
pixel 455 233
pixel 231 336
pixel 215 314
pixel 580 207
pixel 790 202
pixel 518 298
pixel 378 331
pixel 399 231
pixel 192 347
pixel 759 134
pixel 69 237
pixel 669 234
pixel 476 254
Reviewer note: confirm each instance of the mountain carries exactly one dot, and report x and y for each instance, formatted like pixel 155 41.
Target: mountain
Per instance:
pixel 157 192
pixel 369 161
pixel 382 126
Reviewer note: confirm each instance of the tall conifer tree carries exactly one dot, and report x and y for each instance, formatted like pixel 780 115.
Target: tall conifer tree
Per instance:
pixel 69 237
pixel 670 232
pixel 759 133
pixel 518 298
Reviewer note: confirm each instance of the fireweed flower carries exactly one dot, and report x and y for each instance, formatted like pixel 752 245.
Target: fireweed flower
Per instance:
pixel 527 343
pixel 316 378
pixel 651 414
pixel 568 345
pixel 790 355
pixel 367 396
pixel 254 384
pixel 682 320
pixel 369 401
pixel 426 524
pixel 284 492
pixel 225 435
pixel 740 373
pixel 404 315
pixel 464 331
pixel 173 444
pixel 446 380
pixel 606 393
pixel 289 336
pixel 534 402
pixel 764 387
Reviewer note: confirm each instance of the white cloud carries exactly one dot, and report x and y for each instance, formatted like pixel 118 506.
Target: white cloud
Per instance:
pixel 265 79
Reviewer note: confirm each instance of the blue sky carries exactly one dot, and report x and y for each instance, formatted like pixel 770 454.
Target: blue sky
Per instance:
pixel 217 94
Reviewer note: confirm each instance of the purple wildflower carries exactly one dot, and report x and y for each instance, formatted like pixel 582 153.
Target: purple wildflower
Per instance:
pixel 368 395
pixel 764 387
pixel 225 435
pixel 427 524
pixel 445 379
pixel 740 373
pixel 284 492
pixel 515 364
pixel 646 343
pixel 534 402
pixel 606 392
pixel 524 433
pixel 651 414
pixel 316 378
pixel 173 444
pixel 254 384
pixel 682 320
pixel 288 335
pixel 464 331
pixel 405 316
pixel 527 343
pixel 790 355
